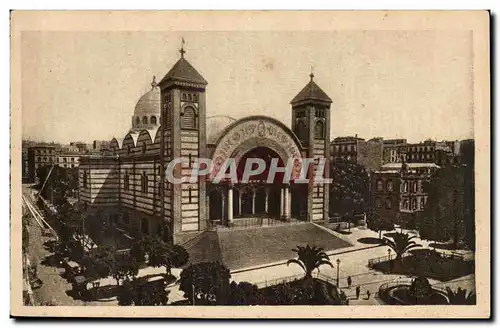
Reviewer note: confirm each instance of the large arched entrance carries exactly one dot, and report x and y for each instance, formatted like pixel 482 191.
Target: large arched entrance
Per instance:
pixel 252 197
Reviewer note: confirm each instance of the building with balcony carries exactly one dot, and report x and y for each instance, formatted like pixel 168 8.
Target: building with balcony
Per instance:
pixel 397 189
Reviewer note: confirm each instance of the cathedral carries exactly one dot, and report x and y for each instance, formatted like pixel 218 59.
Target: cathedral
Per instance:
pixel 126 186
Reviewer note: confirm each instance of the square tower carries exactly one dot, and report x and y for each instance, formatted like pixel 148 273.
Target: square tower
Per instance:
pixel 183 128
pixel 311 124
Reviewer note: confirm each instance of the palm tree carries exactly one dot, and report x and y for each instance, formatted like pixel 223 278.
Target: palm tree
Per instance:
pixel 309 259
pixel 460 297
pixel 401 244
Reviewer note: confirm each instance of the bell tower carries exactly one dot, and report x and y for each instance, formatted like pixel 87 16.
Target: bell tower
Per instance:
pixel 311 124
pixel 183 130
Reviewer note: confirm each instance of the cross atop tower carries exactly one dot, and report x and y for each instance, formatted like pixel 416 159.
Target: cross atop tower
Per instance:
pixel 312 74
pixel 182 51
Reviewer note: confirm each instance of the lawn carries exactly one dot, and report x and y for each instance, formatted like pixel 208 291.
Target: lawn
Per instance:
pixel 257 246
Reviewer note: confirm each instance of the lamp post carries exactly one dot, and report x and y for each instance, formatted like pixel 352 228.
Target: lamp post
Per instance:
pixel 338 269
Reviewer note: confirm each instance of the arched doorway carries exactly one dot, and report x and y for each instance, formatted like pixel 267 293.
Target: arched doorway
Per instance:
pixel 263 138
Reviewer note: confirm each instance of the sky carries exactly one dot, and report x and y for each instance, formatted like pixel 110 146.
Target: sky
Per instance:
pixel 83 86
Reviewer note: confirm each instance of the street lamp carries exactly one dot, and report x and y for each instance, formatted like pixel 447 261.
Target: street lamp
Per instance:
pixel 389 254
pixel 338 269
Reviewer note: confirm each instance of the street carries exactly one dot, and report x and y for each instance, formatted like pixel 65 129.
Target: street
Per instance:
pixel 54 287
pixel 353 263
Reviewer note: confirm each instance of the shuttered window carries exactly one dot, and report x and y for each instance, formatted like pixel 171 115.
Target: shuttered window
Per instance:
pixel 319 130
pixel 189 118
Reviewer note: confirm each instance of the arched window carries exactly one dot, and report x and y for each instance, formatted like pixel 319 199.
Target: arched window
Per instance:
pixel 319 130
pixel 144 182
pixel 415 186
pixel 388 203
pixel 189 118
pixel 414 203
pixel 302 130
pixel 405 186
pixel 126 181
pixel 184 98
pixel 153 119
pixel 389 185
pixel 84 179
pixel 144 120
pixel 137 121
pixel 380 185
pixel 143 147
pixel 190 97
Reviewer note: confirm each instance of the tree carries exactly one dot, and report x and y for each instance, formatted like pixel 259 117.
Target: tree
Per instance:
pixel 349 188
pixel 460 297
pixel 151 294
pixel 124 268
pixel 467 151
pixel 244 293
pixel 99 264
pixel 127 294
pixel 168 256
pixel 207 283
pixel 138 251
pixel 292 294
pixel 420 290
pixel 310 259
pixel 177 256
pixel 401 244
pixel 445 211
pixel 377 222
pixel 61 183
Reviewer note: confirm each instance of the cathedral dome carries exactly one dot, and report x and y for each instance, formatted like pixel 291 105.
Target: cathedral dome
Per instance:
pixel 147 110
pixel 216 125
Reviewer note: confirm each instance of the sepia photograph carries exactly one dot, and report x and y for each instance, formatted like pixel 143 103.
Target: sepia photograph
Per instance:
pixel 250 164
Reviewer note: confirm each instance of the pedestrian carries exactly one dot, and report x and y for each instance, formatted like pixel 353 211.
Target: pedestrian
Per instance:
pixel 358 291
pixel 349 282
pixel 367 294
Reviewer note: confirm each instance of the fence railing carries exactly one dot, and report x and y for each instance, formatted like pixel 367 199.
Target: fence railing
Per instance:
pixel 446 255
pixel 372 262
pixel 245 223
pixel 273 282
pixel 406 282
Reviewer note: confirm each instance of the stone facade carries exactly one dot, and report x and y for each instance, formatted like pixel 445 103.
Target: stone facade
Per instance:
pixel 130 176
